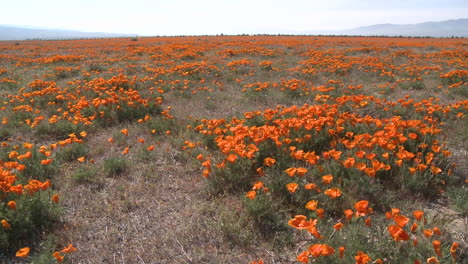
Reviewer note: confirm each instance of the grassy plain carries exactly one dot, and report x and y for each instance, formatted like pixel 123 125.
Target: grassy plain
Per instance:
pixel 205 149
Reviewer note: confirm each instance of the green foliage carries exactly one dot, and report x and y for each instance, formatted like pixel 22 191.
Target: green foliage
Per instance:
pixel 85 174
pixel 33 215
pixel 73 152
pixel 115 166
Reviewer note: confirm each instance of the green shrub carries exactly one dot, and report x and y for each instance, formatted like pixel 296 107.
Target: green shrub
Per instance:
pixel 115 166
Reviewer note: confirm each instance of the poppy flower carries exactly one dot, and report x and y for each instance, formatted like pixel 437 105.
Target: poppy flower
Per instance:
pixel 312 205
pixel 69 249
pixel 12 205
pixel 349 214
pixel 327 179
pixel 124 131
pixel 303 257
pixel 251 195
pixel 292 187
pixel 428 233
pixel 55 198
pixel 301 171
pixel 333 192
pixel 432 260
pixel 361 207
pixel 361 258
pixel 413 228
pixel 338 226
pixel 81 159
pixel 341 251
pixel 150 148
pixel 436 245
pixel 5 224
pixel 58 257
pixel 418 215
pixel 397 233
pixel 368 221
pixel 318 250
pixel 300 222
pixel 453 249
pixel 46 161
pixel 269 161
pixel 125 151
pixel 291 171
pixel 320 213
pixel 400 220
pixel 22 253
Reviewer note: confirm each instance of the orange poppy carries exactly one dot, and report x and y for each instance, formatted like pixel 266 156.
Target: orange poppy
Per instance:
pixel 12 205
pixel 300 222
pixel 349 214
pixel 428 233
pixel 81 159
pixel 55 198
pixel 5 224
pixel 432 260
pixel 312 205
pixel 338 226
pixel 413 228
pixel 269 161
pixel 436 245
pixel 301 171
pixel 69 249
pixel 303 257
pixel 46 161
pixel 368 221
pixel 291 171
pixel 361 207
pixel 124 131
pixel 397 233
pixel 333 192
pixel 251 195
pixel 327 179
pixel 320 213
pixel 58 257
pixel 125 151
pixel 453 249
pixel 22 253
pixel 418 215
pixel 318 250
pixel 292 187
pixel 341 250
pixel 400 220
pixel 151 148
pixel 361 258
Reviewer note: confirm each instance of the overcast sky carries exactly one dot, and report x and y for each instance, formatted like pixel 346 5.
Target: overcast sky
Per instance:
pixel 195 17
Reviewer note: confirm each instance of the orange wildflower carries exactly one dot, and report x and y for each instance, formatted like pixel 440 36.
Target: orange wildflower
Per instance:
pixel 418 215
pixel 338 226
pixel 436 245
pixel 453 250
pixel 58 257
pixel 81 159
pixel 12 205
pixel 303 257
pixel 428 233
pixel 301 171
pixel 432 260
pixel 300 222
pixel 269 162
pixel 318 250
pixel 327 179
pixel 400 220
pixel 312 205
pixel 251 195
pixel 55 198
pixel 125 151
pixel 320 213
pixel 361 258
pixel 46 161
pixel 341 250
pixel 361 207
pixel 151 148
pixel 397 233
pixel 333 192
pixel 349 214
pixel 69 249
pixel 5 224
pixel 124 131
pixel 413 228
pixel 292 187
pixel 368 221
pixel 22 253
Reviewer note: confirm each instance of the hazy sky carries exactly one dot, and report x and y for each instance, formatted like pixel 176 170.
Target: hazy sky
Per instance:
pixel 193 17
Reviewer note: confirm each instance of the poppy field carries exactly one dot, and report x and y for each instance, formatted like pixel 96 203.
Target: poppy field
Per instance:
pixel 234 149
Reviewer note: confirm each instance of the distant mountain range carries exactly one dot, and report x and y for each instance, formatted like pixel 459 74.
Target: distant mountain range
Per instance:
pixel 24 33
pixel 448 28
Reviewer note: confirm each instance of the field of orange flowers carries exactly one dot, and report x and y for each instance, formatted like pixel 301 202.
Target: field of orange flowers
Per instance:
pixel 284 149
